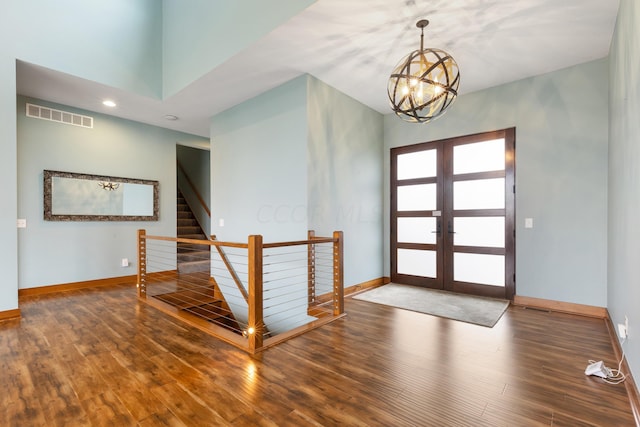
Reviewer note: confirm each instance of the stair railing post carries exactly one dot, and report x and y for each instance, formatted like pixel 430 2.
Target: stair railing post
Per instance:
pixel 141 282
pixel 311 269
pixel 338 273
pixel 256 321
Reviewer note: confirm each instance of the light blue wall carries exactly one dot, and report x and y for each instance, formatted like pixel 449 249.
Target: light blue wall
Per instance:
pixel 561 122
pixel 52 252
pixel 259 166
pixel 624 177
pixel 301 156
pixel 345 154
pixel 115 42
pixel 8 189
pixel 202 34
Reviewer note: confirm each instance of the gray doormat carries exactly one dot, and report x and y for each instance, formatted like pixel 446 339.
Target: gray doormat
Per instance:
pixel 465 308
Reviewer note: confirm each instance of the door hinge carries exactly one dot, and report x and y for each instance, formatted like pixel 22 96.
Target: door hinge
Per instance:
pixel 514 277
pixel 514 233
pixel 514 189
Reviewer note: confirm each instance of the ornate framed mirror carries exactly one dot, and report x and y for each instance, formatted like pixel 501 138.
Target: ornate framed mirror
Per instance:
pixel 82 197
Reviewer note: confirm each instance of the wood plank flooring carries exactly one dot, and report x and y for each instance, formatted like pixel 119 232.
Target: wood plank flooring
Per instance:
pixel 96 357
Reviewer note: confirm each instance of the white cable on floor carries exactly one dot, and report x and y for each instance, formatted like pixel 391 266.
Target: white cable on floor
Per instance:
pixel 614 376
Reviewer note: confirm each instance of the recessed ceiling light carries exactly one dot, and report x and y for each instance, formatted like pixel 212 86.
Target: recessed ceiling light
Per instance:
pixel 108 103
pixel 171 117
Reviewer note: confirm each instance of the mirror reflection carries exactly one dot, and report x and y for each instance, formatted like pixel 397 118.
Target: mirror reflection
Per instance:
pixel 81 197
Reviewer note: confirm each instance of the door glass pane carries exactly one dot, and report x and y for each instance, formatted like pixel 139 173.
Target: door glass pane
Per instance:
pixel 416 262
pixel 479 194
pixel 417 230
pixel 421 164
pixel 479 231
pixel 421 197
pixel 478 268
pixel 479 157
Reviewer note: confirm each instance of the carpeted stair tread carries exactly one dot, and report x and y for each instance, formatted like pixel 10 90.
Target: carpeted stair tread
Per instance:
pixel 185 214
pixel 194 256
pixel 190 229
pixel 194 266
pixel 192 247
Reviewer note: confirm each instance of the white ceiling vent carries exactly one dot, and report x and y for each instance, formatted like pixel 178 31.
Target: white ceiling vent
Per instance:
pixel 51 114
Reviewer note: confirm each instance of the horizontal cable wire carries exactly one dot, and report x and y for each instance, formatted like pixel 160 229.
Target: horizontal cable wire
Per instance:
pixel 280 279
pixel 289 274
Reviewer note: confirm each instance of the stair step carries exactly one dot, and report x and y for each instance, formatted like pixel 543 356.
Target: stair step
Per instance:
pixel 192 247
pixel 188 229
pixel 194 256
pixel 212 311
pixel 203 306
pixel 186 222
pixel 190 298
pixel 194 266
pixel 185 214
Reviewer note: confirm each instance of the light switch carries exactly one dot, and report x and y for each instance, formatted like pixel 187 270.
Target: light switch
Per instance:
pixel 528 223
pixel 21 223
pixel 221 222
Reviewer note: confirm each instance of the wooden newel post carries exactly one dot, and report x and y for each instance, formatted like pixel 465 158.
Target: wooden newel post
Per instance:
pixel 338 273
pixel 311 270
pixel 141 283
pixel 256 321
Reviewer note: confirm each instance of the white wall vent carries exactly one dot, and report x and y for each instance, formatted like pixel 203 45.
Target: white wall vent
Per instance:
pixel 51 114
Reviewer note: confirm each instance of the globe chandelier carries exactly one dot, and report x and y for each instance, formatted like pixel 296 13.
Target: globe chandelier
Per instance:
pixel 424 84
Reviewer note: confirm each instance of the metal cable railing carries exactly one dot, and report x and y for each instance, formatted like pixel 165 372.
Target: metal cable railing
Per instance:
pixel 252 295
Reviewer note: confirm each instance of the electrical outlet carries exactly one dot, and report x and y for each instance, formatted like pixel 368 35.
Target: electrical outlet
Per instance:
pixel 622 331
pixel 125 262
pixel 626 326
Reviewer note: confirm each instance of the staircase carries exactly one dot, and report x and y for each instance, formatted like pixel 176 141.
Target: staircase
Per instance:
pixel 195 291
pixel 192 258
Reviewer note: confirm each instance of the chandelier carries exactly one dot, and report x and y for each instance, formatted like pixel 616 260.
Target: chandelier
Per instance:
pixel 424 83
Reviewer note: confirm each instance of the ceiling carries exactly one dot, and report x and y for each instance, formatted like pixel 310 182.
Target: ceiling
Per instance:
pixel 353 45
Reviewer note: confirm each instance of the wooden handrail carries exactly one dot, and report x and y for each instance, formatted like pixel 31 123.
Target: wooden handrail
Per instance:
pixel 199 242
pixel 299 242
pixel 195 189
pixel 232 270
pixel 243 245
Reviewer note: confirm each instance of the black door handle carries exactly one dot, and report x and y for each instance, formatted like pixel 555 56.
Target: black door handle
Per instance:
pixel 450 228
pixel 438 228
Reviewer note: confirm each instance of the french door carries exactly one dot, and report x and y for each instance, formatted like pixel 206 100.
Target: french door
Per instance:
pixel 453 214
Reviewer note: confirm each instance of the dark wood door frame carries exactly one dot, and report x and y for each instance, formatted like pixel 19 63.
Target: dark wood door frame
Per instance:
pixel 445 239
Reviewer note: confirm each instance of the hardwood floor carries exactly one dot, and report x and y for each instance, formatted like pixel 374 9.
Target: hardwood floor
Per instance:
pixel 97 357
